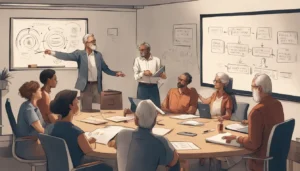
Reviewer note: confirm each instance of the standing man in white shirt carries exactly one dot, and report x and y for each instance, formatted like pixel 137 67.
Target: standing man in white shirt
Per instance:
pixel 144 67
pixel 90 65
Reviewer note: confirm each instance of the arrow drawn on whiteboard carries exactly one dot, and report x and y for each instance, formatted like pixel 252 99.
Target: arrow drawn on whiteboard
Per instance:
pixel 239 40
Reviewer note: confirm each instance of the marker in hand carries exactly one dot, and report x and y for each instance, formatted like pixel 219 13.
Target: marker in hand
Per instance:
pixel 207 131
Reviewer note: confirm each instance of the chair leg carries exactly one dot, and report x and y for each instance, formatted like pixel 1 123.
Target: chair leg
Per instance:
pixel 33 168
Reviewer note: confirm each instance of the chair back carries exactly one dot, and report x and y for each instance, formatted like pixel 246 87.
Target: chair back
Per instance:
pixel 11 118
pixel 228 89
pixel 279 144
pixel 241 112
pixel 57 153
pixel 204 110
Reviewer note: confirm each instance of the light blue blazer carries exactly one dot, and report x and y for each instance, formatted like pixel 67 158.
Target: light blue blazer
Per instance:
pixel 80 56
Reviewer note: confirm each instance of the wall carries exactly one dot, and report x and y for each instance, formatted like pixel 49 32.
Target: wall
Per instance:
pixel 155 26
pixel 113 49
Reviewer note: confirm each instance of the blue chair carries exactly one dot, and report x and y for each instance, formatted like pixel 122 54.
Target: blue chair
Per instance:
pixel 278 146
pixel 17 138
pixel 58 158
pixel 241 112
pixel 204 110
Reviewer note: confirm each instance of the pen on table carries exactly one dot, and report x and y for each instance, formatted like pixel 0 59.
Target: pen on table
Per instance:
pixel 207 131
pixel 157 122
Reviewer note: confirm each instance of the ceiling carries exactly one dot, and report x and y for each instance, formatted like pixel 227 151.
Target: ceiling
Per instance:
pixel 95 2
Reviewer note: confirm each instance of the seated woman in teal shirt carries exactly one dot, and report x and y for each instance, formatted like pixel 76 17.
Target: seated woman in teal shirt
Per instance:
pixel 30 122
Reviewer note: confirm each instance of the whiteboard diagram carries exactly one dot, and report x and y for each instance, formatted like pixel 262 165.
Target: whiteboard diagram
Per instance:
pixel 30 37
pixel 244 44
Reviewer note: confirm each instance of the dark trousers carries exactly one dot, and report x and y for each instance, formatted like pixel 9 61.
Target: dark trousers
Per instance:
pixel 147 91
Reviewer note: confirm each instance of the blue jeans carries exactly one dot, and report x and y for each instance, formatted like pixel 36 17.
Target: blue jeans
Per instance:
pixel 147 91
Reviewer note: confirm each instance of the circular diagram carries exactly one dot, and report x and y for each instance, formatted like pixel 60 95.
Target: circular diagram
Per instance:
pixel 55 39
pixel 27 40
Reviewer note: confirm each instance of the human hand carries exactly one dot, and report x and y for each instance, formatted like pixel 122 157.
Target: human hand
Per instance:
pixel 163 75
pixel 127 111
pixel 47 52
pixel 147 73
pixel 120 74
pixel 229 138
pixel 92 140
pixel 244 122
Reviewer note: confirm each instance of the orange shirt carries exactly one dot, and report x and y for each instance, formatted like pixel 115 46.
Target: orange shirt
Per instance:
pixel 181 102
pixel 44 106
pixel 261 120
pixel 226 102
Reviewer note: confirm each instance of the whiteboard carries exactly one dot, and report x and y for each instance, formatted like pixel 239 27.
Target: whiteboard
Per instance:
pixel 31 36
pixel 244 44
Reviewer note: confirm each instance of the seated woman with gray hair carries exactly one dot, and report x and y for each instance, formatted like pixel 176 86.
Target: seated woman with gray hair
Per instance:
pixel 220 102
pixel 133 152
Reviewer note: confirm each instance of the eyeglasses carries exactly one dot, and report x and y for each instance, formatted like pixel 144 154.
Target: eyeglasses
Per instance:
pixel 216 81
pixel 93 41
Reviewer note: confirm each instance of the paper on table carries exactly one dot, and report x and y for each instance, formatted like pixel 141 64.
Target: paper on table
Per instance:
pixel 104 135
pixel 184 146
pixel 238 127
pixel 161 131
pixel 160 71
pixel 192 123
pixel 93 120
pixel 185 116
pixel 120 118
pixel 218 140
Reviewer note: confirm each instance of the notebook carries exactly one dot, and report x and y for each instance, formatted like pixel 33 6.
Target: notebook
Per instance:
pixel 238 128
pixel 192 123
pixel 184 116
pixel 184 146
pixel 92 120
pixel 135 102
pixel 120 118
pixel 217 139
pixel 160 71
pixel 161 131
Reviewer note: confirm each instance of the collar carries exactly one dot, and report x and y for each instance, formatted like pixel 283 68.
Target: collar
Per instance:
pixel 150 58
pixel 187 91
pixel 265 99
pixel 224 96
pixel 144 129
pixel 31 105
pixel 93 53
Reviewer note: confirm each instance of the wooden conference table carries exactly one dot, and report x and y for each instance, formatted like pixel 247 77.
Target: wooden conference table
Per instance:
pixel 206 150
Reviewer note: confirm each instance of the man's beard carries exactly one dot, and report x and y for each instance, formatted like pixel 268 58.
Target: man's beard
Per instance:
pixel 179 85
pixel 255 95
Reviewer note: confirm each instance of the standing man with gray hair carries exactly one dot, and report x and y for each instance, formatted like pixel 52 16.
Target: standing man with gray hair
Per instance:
pixel 140 149
pixel 144 67
pixel 90 65
pixel 267 113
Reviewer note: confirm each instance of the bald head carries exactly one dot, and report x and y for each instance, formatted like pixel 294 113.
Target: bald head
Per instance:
pixel 146 114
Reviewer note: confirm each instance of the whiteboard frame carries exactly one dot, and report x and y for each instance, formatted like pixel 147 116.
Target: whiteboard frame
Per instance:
pixel 11 68
pixel 235 91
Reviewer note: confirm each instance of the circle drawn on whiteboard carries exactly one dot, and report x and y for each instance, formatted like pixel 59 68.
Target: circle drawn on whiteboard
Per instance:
pixel 27 41
pixel 55 39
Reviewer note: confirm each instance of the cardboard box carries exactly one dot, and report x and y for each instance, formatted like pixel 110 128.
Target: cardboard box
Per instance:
pixel 111 100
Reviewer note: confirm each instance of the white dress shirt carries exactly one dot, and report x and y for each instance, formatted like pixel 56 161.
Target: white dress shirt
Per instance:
pixel 216 107
pixel 92 73
pixel 141 64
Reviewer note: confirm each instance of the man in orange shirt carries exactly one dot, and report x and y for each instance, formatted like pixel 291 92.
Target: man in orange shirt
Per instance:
pixel 267 113
pixel 181 99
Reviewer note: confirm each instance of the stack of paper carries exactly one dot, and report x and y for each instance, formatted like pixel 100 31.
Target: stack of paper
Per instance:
pixel 192 123
pixel 160 71
pixel 184 146
pixel 161 131
pixel 120 118
pixel 238 128
pixel 185 116
pixel 219 140
pixel 93 120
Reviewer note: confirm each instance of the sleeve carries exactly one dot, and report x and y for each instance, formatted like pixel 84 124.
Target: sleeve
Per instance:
pixel 77 131
pixel 165 103
pixel 166 155
pixel 31 116
pixel 105 68
pixel 138 74
pixel 255 126
pixel 74 56
pixel 229 104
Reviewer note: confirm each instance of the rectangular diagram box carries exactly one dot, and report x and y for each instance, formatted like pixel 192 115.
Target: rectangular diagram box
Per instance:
pixel 286 56
pixel 239 31
pixel 264 33
pixel 240 69
pixel 287 37
pixel 262 52
pixel 237 49
pixel 215 30
pixel 217 46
